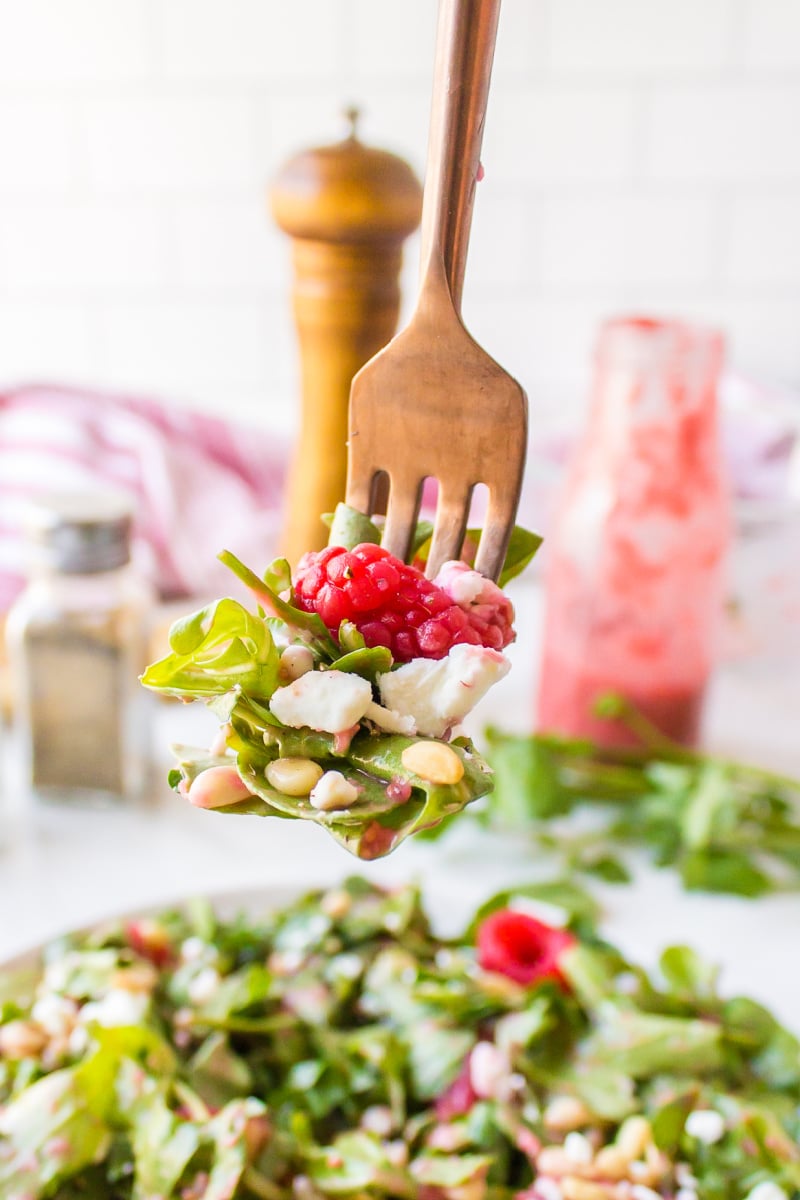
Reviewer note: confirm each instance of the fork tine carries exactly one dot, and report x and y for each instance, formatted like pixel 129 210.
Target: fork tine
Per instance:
pixel 405 496
pixel 360 486
pixel 452 511
pixel 496 534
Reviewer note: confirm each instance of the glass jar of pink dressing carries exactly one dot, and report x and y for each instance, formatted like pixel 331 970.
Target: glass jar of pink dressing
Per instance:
pixel 634 581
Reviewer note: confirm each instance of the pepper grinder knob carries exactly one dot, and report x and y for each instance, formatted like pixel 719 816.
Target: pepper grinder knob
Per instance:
pixel 348 208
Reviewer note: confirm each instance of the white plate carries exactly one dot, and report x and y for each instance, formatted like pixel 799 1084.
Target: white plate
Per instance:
pixel 225 904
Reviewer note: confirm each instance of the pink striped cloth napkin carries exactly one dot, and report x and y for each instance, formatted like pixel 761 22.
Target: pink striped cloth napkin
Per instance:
pixel 197 483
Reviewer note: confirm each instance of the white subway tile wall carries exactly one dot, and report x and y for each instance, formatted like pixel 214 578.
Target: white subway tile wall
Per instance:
pixel 639 154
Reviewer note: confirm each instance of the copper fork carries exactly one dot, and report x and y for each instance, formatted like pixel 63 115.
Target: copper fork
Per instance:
pixel 433 403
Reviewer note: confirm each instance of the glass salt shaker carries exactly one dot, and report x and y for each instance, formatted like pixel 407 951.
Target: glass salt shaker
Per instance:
pixel 634 585
pixel 76 646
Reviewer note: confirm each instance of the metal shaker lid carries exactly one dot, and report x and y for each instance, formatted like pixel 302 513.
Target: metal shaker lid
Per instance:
pixel 80 533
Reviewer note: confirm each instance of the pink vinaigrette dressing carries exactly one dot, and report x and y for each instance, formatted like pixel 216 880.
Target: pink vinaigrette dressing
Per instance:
pixel 634 581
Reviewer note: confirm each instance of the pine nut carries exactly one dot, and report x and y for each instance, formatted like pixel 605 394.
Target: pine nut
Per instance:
pixel 22 1039
pixel 295 661
pixel 293 776
pixel 336 904
pixel 333 792
pixel 656 1161
pixel 612 1163
pixel 474 1189
pixel 634 1136
pixel 553 1161
pixel 216 787
pixel 489 1068
pixel 565 1113
pixel 574 1188
pixel 650 1172
pixel 140 977
pixel 433 761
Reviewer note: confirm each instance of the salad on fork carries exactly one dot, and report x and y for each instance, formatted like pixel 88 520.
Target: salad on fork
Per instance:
pixel 340 698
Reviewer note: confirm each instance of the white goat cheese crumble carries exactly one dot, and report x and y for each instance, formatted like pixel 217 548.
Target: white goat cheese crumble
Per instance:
pixel 330 701
pixel 439 692
pixel 706 1125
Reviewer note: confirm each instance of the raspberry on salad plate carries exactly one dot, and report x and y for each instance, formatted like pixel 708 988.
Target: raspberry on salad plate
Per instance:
pixel 521 947
pixel 392 604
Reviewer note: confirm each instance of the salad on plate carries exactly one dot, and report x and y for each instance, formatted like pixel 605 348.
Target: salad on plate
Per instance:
pixel 340 698
pixel 337 1047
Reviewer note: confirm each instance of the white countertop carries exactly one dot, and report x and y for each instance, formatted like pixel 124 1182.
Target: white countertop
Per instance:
pixel 72 867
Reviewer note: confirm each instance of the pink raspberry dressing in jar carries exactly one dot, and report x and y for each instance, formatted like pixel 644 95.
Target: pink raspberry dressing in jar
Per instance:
pixel 634 582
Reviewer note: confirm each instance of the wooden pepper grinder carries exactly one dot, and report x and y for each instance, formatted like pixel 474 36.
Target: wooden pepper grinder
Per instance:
pixel 348 209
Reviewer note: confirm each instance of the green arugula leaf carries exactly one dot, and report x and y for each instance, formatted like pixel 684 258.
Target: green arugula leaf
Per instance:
pixel 522 546
pixel 642 1044
pixel 278 576
pixel 369 662
pixel 669 1121
pixel 528 786
pixel 316 633
pixel 707 804
pixel 723 871
pixel 436 1055
pixel 227 1134
pixel 214 650
pixel 687 974
pixel 607 867
pixel 54 1109
pixel 349 637
pixel 423 534
pixel 725 826
pixel 606 1091
pixel 163 1145
pixel 447 1171
pixel 377 822
pixel 217 1074
pixel 350 528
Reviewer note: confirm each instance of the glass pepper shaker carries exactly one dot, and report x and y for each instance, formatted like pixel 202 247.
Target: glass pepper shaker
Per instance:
pixel 633 590
pixel 76 646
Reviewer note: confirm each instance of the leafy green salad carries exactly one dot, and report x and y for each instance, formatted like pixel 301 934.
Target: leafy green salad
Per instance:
pixel 340 697
pixel 722 825
pixel 339 1048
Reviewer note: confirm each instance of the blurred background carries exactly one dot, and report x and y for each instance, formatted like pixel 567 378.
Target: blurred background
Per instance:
pixel 641 156
pixel 638 154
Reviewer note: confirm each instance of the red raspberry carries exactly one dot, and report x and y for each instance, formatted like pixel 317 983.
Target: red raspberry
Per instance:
pixel 517 945
pixel 150 940
pixel 394 605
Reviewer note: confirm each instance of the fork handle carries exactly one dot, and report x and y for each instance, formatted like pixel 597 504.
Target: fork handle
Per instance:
pixel 465 39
